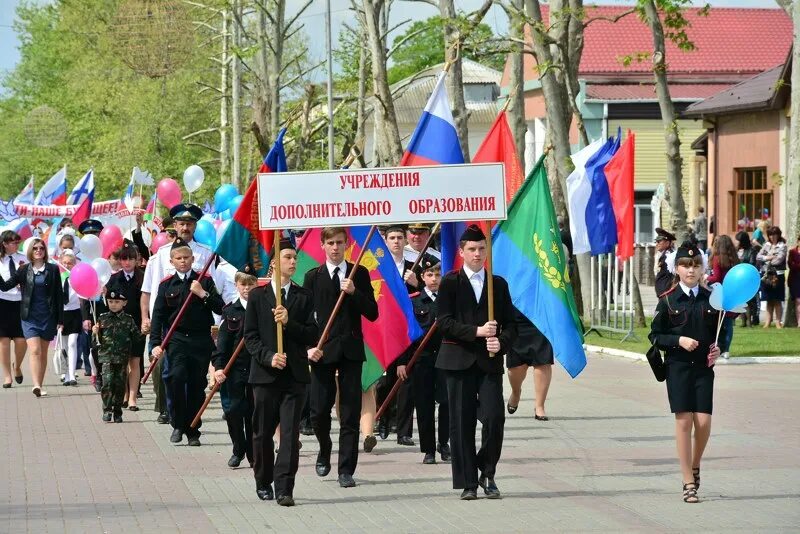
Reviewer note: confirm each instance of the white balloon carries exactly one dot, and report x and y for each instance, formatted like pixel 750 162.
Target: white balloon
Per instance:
pixel 103 269
pixel 91 247
pixel 25 245
pixel 193 178
pixel 716 296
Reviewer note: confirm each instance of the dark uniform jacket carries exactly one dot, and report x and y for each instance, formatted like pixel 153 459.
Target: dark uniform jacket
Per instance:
pixel 231 330
pixel 664 278
pixel 459 317
pixel 346 339
pixel 197 321
pixel 425 314
pixel 52 283
pixel 677 315
pixel 261 334
pixel 118 332
pixel 132 290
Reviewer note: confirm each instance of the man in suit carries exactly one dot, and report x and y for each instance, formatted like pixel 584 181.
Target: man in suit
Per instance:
pixel 471 356
pixel 343 352
pixel 129 281
pixel 664 245
pixel 279 379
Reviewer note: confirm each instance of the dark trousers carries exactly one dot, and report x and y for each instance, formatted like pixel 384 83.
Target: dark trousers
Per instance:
pixel 239 412
pixel 185 380
pixel 273 405
pixel 474 396
pixel 323 396
pixel 401 411
pixel 429 387
pixel 305 417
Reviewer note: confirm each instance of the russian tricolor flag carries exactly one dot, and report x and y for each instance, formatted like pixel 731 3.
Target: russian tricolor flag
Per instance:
pixel 54 192
pixel 435 142
pixel 26 196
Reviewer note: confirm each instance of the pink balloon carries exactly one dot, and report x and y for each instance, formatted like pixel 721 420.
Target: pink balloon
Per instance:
pixel 111 238
pixel 169 192
pixel 83 280
pixel 159 241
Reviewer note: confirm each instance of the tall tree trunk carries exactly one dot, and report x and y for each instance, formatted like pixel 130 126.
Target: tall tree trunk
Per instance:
pixel 455 78
pixel 275 66
pixel 224 156
pixel 361 112
pixel 516 109
pixel 236 91
pixel 671 138
pixel 390 149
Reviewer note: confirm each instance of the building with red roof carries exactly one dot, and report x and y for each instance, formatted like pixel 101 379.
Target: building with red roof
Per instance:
pixel 731 45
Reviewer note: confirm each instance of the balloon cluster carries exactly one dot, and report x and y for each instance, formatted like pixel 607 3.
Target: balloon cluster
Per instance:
pixel 88 277
pixel 740 285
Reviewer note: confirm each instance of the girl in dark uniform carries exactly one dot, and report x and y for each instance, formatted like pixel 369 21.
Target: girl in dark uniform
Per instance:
pixel 685 327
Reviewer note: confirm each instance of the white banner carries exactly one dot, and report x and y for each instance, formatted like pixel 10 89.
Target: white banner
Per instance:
pixel 109 207
pixel 355 197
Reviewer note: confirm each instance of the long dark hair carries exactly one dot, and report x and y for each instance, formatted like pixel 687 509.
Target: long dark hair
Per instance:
pixel 744 240
pixel 5 237
pixel 725 252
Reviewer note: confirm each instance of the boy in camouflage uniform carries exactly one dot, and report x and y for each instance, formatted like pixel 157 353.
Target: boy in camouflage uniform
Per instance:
pixel 116 332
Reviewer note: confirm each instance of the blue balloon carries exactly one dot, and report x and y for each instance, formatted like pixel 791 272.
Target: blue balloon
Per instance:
pixel 205 233
pixel 225 215
pixel 222 198
pixel 233 205
pixel 740 285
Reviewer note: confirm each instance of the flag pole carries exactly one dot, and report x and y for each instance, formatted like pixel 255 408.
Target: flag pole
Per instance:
pixel 217 385
pixel 276 258
pixel 489 277
pixel 326 332
pixel 181 312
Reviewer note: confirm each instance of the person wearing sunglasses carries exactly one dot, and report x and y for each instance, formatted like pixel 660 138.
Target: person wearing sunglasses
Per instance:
pixel 41 308
pixel 10 325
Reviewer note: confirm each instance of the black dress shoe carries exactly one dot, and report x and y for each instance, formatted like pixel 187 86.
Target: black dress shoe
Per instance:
pixel 369 443
pixel 541 417
pixel 383 430
pixel 124 404
pixel 265 494
pixel 444 450
pixel 6 386
pixel 346 481
pixel 235 461
pixel 306 429
pixel 117 417
pixel 469 494
pixel 405 440
pixel 176 437
pixel 285 500
pixel 107 417
pixel 138 394
pixel 430 458
pixel 163 418
pixel 323 466
pixel 511 409
pixel 18 379
pixel 193 442
pixel 489 487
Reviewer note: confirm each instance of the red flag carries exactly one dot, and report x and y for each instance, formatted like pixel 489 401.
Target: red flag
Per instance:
pixel 498 147
pixel 619 174
pixel 84 211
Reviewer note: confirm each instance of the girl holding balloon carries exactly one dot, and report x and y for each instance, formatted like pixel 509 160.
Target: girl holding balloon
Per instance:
pixel 42 307
pixel 72 319
pixel 684 327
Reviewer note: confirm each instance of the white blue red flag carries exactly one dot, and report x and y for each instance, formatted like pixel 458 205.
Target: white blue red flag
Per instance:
pixel 54 191
pixel 26 196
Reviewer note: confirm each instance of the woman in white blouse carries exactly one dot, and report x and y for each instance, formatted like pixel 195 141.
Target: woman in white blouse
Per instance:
pixel 10 325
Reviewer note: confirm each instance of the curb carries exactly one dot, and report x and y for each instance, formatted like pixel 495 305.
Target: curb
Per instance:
pixel 733 361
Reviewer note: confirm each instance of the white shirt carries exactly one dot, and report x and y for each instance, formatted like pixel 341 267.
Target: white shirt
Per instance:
pixel 72 300
pixel 224 279
pixel 162 266
pixel 401 266
pixel 147 281
pixel 13 294
pixel 127 275
pixel 242 301
pixel 686 289
pixel 431 295
pixel 342 269
pixel 476 281
pixel 411 255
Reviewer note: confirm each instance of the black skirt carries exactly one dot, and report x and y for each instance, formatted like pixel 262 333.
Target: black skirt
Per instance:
pixel 690 386
pixel 10 323
pixel 530 346
pixel 73 322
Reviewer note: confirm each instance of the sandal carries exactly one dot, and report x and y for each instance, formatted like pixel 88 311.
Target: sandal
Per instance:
pixel 690 493
pixel 696 474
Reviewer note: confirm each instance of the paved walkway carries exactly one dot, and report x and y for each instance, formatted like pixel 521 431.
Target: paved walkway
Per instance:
pixel 605 462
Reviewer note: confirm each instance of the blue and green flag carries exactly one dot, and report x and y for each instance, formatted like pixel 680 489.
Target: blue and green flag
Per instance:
pixel 528 253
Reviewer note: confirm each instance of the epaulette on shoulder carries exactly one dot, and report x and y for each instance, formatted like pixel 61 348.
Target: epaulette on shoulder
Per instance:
pixel 414 295
pixel 166 278
pixel 667 292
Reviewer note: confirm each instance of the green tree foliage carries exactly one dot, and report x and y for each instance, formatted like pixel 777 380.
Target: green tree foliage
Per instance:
pixel 422 46
pixel 114 118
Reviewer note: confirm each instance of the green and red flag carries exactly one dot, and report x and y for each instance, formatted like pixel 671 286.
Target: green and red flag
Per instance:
pixel 396 327
pixel 243 243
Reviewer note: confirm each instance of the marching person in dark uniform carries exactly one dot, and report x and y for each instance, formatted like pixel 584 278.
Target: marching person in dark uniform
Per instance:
pixel 190 349
pixel 664 246
pixel 116 333
pixel 474 377
pixel 279 379
pixel 684 327
pixel 343 352
pixel 239 408
pixel 129 281
pixel 427 383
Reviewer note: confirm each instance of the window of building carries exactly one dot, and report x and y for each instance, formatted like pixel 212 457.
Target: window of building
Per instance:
pixel 480 92
pixel 752 199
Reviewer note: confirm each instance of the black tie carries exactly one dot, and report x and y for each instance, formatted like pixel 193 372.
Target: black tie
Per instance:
pixel 691 296
pixel 66 289
pixel 337 285
pixel 435 294
pixel 12 269
pixel 283 295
